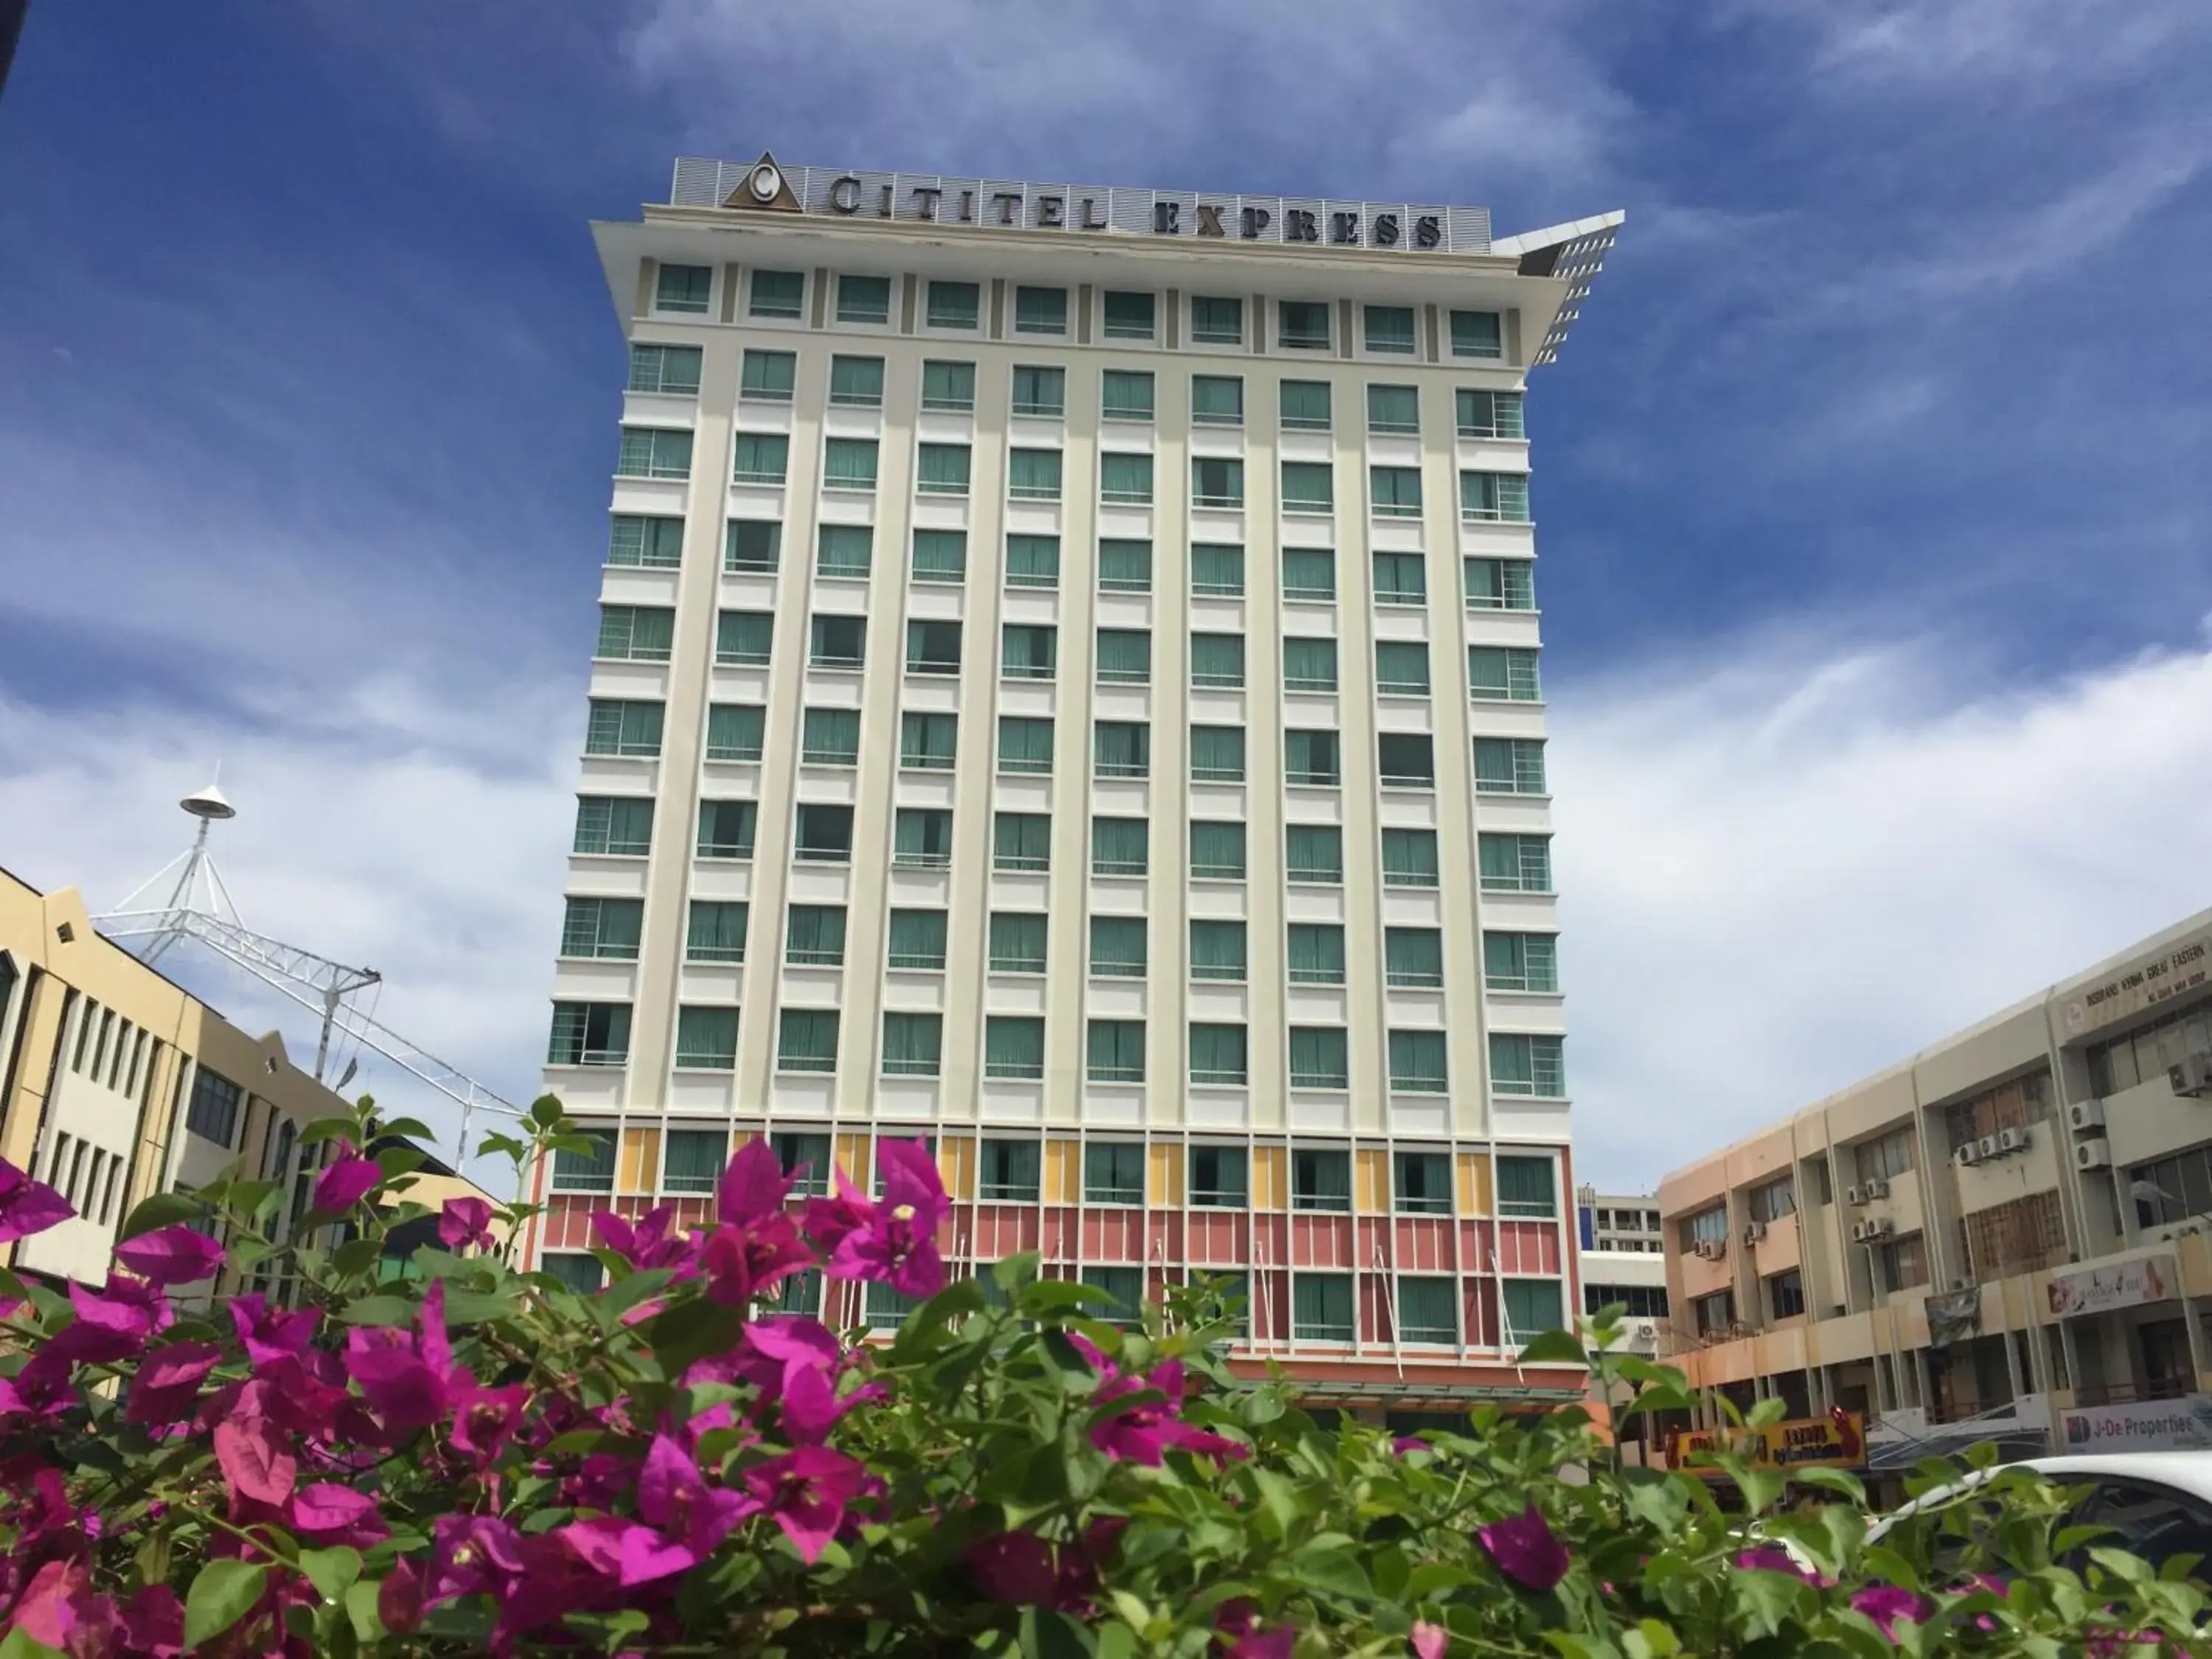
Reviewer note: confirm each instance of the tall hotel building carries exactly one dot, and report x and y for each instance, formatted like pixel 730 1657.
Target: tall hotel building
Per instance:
pixel 1068 690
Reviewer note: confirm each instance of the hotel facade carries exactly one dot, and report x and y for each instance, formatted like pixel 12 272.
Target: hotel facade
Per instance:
pixel 1068 690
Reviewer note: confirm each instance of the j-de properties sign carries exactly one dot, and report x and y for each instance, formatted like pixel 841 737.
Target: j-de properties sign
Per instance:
pixel 2184 1425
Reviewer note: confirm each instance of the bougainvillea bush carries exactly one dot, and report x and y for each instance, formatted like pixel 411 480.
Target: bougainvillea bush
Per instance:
pixel 468 1458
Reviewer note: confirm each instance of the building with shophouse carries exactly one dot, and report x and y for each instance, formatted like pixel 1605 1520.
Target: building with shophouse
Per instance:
pixel 2006 1237
pixel 1068 690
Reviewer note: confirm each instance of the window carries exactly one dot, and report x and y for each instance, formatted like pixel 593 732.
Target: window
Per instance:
pixel 1125 566
pixel 634 539
pixel 1515 864
pixel 635 633
pixel 767 377
pixel 1320 1307
pixel 948 385
pixel 824 834
pixel 761 457
pixel 1785 1295
pixel 1033 475
pixel 1886 1156
pixel 751 546
pixel 650 451
pixel 1421 1182
pixel 1635 1301
pixel 1016 941
pixel 912 1044
pixel 1217 481
pixel 954 305
pixel 589 1034
pixel 1903 1263
pixel 1302 325
pixel 1217 660
pixel 1406 760
pixel 1303 405
pixel 2143 1054
pixel 864 298
pixel 618 727
pixel 838 642
pixel 807 1040
pixel 1217 950
pixel 1118 947
pixel 1508 766
pixel 933 647
pixel 928 743
pixel 804 1160
pixel 1523 1065
pixel 1490 414
pixel 1040 310
pixel 1115 1051
pixel 1217 400
pixel 714 932
pixel 1413 957
pixel 1126 1286
pixel 683 288
pixel 848 464
pixel 1394 492
pixel 1125 656
pixel 1500 584
pixel 1477 334
pixel 1402 667
pixel 617 825
pixel 580 1171
pixel 664 368
pixel 814 936
pixel 855 382
pixel 941 555
pixel 706 1039
pixel 1024 744
pixel 726 829
pixel 1032 561
pixel 1219 1178
pixel 1403 579
pixel 777 294
pixel 1125 479
pixel 1121 748
pixel 1416 1062
pixel 1217 320
pixel 1040 390
pixel 1021 842
pixel 1390 328
pixel 693 1159
pixel 1428 1309
pixel 1315 853
pixel 1126 394
pixel 1010 1171
pixel 1501 497
pixel 1217 567
pixel 1315 952
pixel 605 928
pixel 2011 1105
pixel 212 1114
pixel 1500 672
pixel 1308 664
pixel 921 838
pixel 886 1308
pixel 917 940
pixel 829 737
pixel 1530 1306
pixel 1394 408
pixel 1129 316
pixel 1308 487
pixel 1706 1227
pixel 1013 1047
pixel 1311 757
pixel 1216 753
pixel 1520 962
pixel 1715 1314
pixel 1309 573
pixel 1217 850
pixel 1319 1060
pixel 1113 1172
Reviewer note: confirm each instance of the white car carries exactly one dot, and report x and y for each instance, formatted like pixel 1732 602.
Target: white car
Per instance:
pixel 2158 1505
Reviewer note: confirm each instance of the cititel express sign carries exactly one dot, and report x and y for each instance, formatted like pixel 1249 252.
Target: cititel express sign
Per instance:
pixel 764 186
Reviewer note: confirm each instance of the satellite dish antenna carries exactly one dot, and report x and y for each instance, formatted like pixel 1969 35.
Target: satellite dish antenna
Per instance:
pixel 208 803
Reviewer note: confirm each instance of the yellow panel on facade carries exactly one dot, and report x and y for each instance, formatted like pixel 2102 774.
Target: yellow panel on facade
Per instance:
pixel 1371 1181
pixel 1270 1178
pixel 740 1139
pixel 1063 1171
pixel 639 1171
pixel 1474 1184
pixel 955 1166
pixel 852 1157
pixel 1163 1182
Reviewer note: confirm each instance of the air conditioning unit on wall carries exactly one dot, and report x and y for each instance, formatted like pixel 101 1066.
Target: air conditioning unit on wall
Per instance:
pixel 2193 1076
pixel 2095 1154
pixel 2014 1140
pixel 1877 1188
pixel 1855 1196
pixel 1754 1232
pixel 1967 1155
pixel 2086 1114
pixel 1987 1146
pixel 1880 1227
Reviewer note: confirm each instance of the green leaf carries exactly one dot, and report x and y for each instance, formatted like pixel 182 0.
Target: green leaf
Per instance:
pixel 962 1297
pixel 502 1146
pixel 162 1210
pixel 328 1128
pixel 357 1255
pixel 1555 1347
pixel 331 1571
pixel 478 1307
pixel 546 1111
pixel 1052 1296
pixel 22 1644
pixel 691 1331
pixel 1335 1570
pixel 406 1128
pixel 222 1593
pixel 1049 1635
pixel 1763 1600
pixel 2131 1569
pixel 1011 1273
pixel 631 1289
pixel 379 1311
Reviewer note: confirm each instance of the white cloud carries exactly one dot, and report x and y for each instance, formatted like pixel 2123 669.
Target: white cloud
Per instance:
pixel 1788 866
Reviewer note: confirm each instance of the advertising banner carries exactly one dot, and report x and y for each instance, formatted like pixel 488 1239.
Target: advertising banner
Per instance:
pixel 2184 1425
pixel 1837 1440
pixel 2100 1290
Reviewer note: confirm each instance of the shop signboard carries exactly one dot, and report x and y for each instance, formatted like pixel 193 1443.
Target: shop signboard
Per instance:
pixel 1837 1440
pixel 2123 1285
pixel 2183 1424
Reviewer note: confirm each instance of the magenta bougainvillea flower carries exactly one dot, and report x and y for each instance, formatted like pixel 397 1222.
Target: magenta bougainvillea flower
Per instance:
pixel 648 1243
pixel 688 1517
pixel 1525 1549
pixel 347 1181
pixel 1428 1641
pixel 1771 1557
pixel 1014 1567
pixel 112 1322
pixel 744 1262
pixel 41 1391
pixel 893 1240
pixel 172 1256
pixel 269 1334
pixel 327 1516
pixel 465 1224
pixel 471 1555
pixel 410 1384
pixel 1889 1606
pixel 254 1451
pixel 1273 1643
pixel 28 1207
pixel 806 1493
pixel 1146 1429
pixel 485 1419
pixel 168 1385
pixel 753 1185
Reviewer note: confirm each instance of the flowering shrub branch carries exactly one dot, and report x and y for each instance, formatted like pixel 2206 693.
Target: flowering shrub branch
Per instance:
pixel 474 1459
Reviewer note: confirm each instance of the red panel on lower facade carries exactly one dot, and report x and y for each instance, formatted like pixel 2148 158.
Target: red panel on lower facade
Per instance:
pixel 1004 1229
pixel 1163 1238
pixel 1481 1312
pixel 1113 1235
pixel 1320 1240
pixel 1060 1234
pixel 1269 1309
pixel 1374 1309
pixel 1218 1238
pixel 1528 1247
pixel 1421 1245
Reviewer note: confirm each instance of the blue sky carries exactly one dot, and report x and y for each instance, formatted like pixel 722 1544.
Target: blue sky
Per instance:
pixel 1874 486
